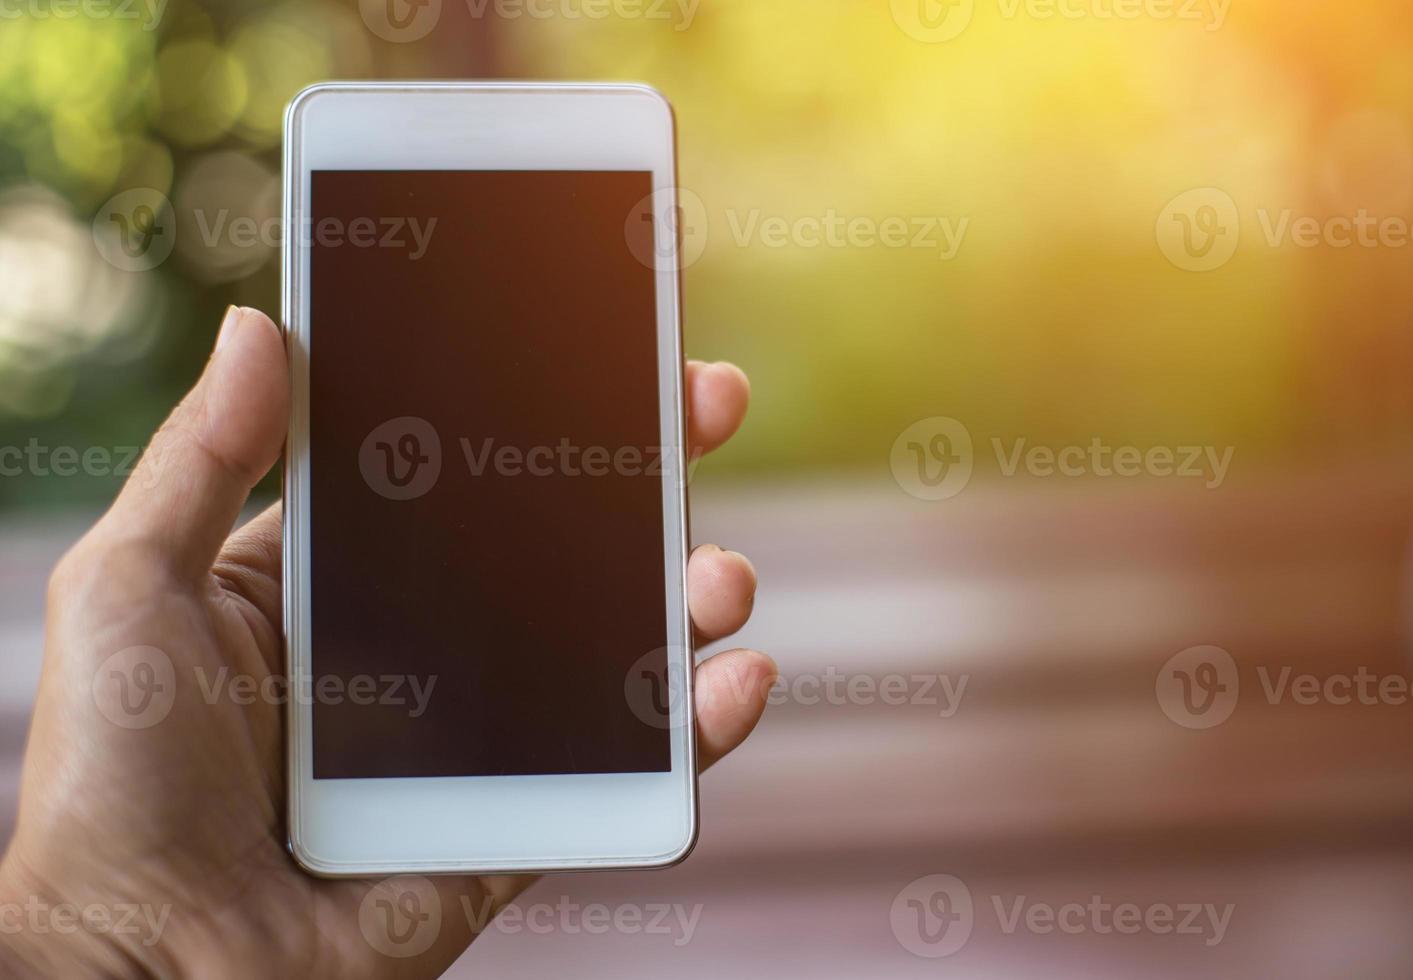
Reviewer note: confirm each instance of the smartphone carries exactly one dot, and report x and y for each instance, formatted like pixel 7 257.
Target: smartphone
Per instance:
pixel 485 524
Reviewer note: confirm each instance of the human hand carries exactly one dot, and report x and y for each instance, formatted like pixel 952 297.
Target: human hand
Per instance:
pixel 184 819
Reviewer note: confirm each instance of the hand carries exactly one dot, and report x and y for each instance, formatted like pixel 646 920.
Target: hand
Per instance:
pixel 188 815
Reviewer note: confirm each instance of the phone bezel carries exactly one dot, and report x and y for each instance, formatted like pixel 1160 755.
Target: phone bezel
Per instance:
pixel 491 824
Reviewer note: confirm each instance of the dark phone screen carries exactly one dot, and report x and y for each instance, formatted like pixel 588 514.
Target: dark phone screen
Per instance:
pixel 486 518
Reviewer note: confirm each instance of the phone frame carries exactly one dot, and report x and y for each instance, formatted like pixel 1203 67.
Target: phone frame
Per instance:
pixel 486 824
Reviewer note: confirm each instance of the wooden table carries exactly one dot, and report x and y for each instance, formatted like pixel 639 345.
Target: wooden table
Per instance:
pixel 1059 780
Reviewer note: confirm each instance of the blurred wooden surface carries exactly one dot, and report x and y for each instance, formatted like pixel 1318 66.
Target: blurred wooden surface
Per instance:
pixel 1059 777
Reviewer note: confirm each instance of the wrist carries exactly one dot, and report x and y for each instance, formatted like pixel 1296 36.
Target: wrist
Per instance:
pixel 44 935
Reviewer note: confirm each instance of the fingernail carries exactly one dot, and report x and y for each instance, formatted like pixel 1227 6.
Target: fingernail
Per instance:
pixel 229 319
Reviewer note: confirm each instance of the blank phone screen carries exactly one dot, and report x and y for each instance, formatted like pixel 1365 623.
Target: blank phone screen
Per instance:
pixel 486 500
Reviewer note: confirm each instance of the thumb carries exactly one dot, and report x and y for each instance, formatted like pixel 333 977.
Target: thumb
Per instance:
pixel 197 471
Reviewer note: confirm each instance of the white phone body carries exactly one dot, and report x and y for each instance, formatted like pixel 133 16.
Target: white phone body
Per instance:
pixel 483 823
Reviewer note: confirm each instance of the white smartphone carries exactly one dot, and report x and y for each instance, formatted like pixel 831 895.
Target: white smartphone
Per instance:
pixel 485 495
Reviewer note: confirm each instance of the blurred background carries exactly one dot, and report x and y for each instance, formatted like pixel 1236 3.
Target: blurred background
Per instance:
pixel 1080 341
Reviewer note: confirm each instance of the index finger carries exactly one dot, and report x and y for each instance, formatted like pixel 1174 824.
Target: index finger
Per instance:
pixel 717 396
